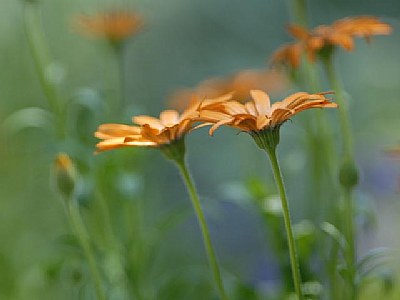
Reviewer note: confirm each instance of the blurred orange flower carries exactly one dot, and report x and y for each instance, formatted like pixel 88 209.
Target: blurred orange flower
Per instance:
pixel 393 152
pixel 115 26
pixel 341 33
pixel 240 84
pixel 289 54
pixel 258 115
pixel 152 132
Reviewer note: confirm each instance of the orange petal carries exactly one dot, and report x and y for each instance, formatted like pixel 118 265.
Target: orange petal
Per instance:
pixel 261 101
pixel 234 107
pixel 110 144
pixel 251 108
pixel 212 116
pixel 141 143
pixel 147 120
pixel 298 32
pixel 169 117
pixel 262 122
pixel 106 131
pixel 219 124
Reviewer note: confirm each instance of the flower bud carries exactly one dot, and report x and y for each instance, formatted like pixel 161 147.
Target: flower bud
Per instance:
pixel 348 174
pixel 64 175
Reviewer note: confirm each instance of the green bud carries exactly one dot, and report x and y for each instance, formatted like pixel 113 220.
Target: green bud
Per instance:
pixel 64 175
pixel 348 174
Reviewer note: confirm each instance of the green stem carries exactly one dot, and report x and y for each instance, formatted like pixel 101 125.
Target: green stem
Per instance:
pixel 83 237
pixel 324 129
pixel 320 133
pixel 325 205
pixel 325 159
pixel 118 50
pixel 110 238
pixel 350 236
pixel 41 57
pixel 203 226
pixel 343 107
pixel 299 11
pixel 117 276
pixel 348 172
pixel 294 262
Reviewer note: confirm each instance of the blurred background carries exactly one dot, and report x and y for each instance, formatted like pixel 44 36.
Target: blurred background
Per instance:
pixel 181 44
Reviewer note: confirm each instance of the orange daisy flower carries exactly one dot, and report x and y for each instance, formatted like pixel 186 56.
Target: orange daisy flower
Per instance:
pixel 341 33
pixel 116 26
pixel 240 83
pixel 259 115
pixel 289 54
pixel 152 132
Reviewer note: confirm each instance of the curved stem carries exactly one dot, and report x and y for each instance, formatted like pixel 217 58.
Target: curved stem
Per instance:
pixel 204 229
pixel 41 57
pixel 83 237
pixel 294 262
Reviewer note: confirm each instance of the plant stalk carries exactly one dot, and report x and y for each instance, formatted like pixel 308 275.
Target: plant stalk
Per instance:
pixel 299 11
pixel 203 226
pixel 348 173
pixel 118 52
pixel 83 237
pixel 344 117
pixel 40 54
pixel 294 261
pixel 320 159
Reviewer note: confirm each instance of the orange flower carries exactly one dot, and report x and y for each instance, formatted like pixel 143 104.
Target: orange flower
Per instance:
pixel 259 115
pixel 341 33
pixel 393 152
pixel 289 54
pixel 240 83
pixel 152 132
pixel 116 26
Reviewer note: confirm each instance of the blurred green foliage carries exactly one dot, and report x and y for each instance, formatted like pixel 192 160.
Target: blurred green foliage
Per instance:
pixel 133 201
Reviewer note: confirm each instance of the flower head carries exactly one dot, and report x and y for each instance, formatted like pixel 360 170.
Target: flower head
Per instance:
pixel 149 131
pixel 341 33
pixel 239 83
pixel 115 26
pixel 258 115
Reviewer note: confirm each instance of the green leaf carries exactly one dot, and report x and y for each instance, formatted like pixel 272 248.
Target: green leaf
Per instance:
pixel 85 111
pixel 372 256
pixel 305 235
pixel 374 261
pixel 30 117
pixel 336 235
